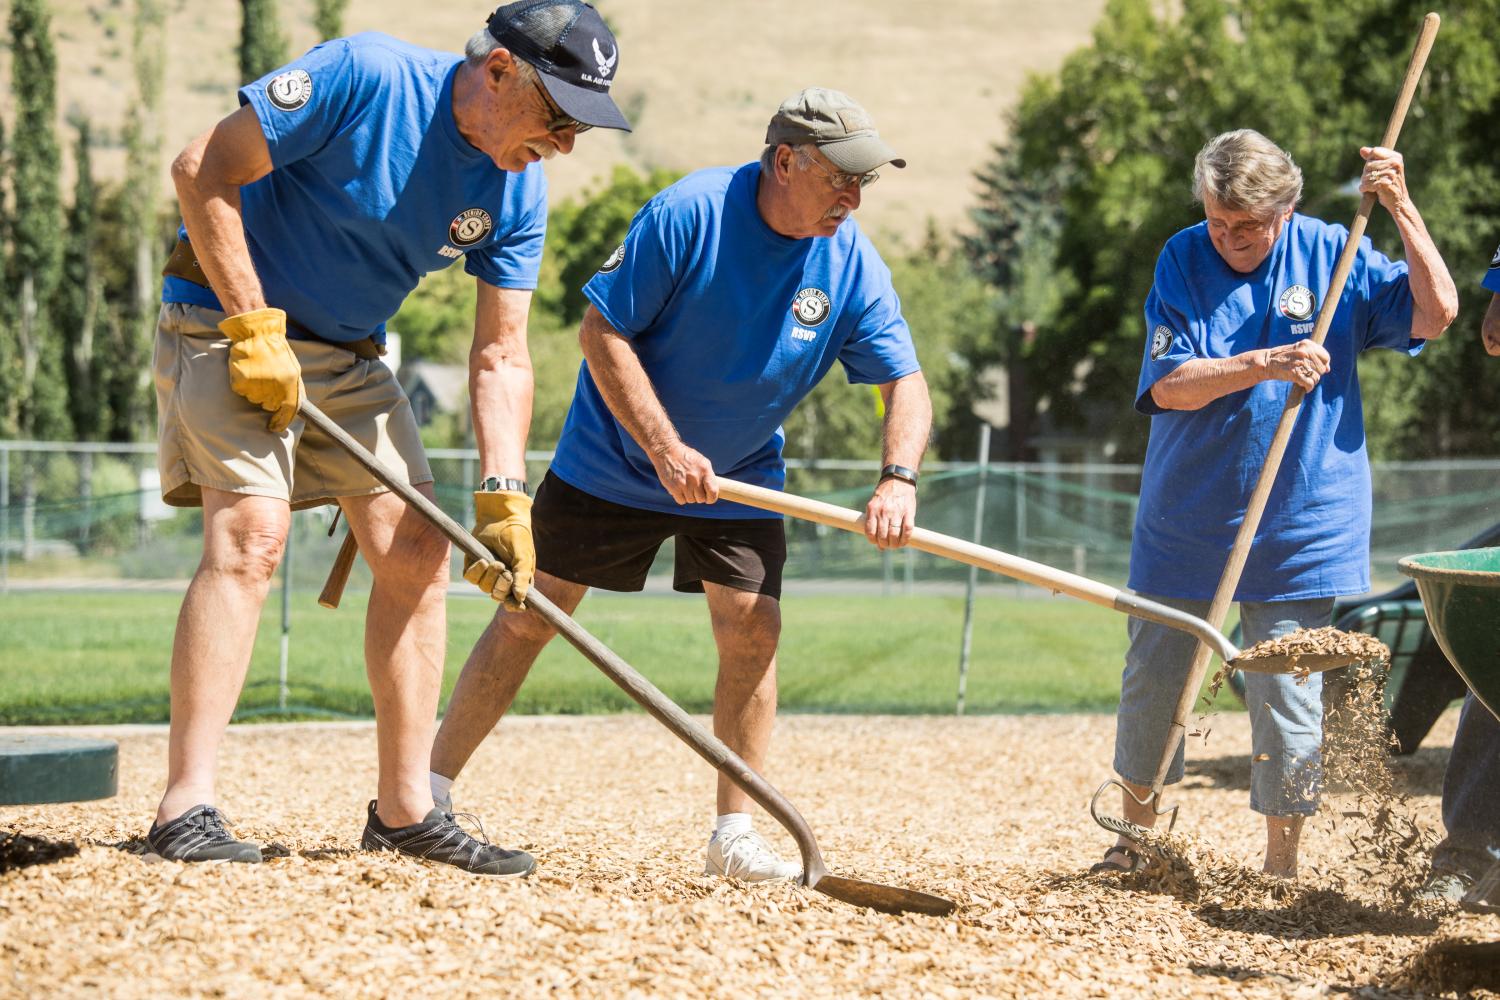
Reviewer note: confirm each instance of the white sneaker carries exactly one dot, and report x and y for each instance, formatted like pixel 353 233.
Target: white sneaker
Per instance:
pixel 747 857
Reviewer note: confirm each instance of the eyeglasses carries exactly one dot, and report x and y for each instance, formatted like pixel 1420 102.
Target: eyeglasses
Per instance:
pixel 840 180
pixel 561 120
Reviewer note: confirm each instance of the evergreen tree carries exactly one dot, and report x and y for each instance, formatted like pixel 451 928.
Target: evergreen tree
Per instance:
pixel 124 383
pixel 76 306
pixel 10 364
pixel 262 45
pixel 328 18
pixel 36 234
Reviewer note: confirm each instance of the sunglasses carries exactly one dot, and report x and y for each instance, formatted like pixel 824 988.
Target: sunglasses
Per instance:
pixel 840 180
pixel 561 120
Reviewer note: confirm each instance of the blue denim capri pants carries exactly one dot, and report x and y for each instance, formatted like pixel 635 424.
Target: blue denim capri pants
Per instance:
pixel 1286 717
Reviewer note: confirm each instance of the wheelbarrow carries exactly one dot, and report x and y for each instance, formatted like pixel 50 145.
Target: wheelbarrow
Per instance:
pixel 1461 597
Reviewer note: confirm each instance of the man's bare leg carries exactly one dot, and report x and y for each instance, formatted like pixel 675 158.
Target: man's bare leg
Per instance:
pixel 405 639
pixel 1283 836
pixel 243 539
pixel 746 628
pixel 493 674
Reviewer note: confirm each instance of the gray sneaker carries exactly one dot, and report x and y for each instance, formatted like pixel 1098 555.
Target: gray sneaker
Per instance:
pixel 439 838
pixel 199 835
pixel 1446 888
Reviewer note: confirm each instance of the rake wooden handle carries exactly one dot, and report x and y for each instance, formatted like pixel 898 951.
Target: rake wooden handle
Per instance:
pixel 1218 609
pixel 338 573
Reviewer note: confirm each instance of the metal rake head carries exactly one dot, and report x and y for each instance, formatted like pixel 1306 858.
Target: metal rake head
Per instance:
pixel 1124 827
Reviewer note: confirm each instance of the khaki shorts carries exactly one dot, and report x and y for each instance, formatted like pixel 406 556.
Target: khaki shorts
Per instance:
pixel 211 437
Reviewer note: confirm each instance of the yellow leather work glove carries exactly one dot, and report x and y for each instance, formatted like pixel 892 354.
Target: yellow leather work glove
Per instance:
pixel 503 523
pixel 262 367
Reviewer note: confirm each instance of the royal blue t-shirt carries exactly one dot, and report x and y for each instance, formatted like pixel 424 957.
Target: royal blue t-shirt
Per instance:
pixel 734 324
pixel 1201 465
pixel 373 187
pixel 1492 276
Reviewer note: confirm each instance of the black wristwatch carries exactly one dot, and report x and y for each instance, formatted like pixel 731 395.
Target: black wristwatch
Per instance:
pixel 900 472
pixel 499 484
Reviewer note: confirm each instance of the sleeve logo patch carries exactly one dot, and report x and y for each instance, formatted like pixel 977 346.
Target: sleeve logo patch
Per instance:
pixel 471 226
pixel 1495 260
pixel 615 260
pixel 290 90
pixel 811 306
pixel 1161 342
pixel 1297 302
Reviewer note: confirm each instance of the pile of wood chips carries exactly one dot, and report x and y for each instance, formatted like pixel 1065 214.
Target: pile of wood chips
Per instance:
pixel 988 811
pixel 1356 647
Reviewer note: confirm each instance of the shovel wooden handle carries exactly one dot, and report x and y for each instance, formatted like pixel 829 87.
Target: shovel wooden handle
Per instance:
pixel 994 560
pixel 656 704
pixel 338 574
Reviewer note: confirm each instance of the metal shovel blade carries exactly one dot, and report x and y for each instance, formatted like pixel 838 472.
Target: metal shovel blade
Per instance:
pixel 1293 663
pixel 885 898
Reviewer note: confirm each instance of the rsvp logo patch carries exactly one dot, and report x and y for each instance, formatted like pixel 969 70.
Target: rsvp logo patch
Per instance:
pixel 811 306
pixel 1161 342
pixel 290 90
pixel 1297 302
pixel 469 227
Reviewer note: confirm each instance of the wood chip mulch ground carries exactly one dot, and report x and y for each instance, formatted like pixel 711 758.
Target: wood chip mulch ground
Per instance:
pixel 991 812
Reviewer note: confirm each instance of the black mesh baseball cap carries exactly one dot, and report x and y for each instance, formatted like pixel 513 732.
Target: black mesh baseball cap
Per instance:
pixel 573 51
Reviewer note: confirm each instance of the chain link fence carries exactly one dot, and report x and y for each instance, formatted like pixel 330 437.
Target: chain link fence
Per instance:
pixel 90 515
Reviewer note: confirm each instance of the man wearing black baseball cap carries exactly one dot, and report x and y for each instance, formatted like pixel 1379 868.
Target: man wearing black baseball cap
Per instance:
pixel 312 212
pixel 733 295
pixel 571 49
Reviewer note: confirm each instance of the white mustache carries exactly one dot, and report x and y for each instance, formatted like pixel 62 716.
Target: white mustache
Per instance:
pixel 837 212
pixel 541 148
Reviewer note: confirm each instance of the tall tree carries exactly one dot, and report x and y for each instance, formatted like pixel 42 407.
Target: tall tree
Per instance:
pixel 1120 122
pixel 36 234
pixel 10 363
pixel 125 385
pixel 76 305
pixel 262 45
pixel 328 18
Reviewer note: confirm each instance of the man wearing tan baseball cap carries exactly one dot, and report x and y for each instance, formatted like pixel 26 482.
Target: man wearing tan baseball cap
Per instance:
pixel 734 293
pixel 843 131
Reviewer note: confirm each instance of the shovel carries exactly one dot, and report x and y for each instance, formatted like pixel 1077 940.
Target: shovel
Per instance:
pixel 1040 574
pixel 885 898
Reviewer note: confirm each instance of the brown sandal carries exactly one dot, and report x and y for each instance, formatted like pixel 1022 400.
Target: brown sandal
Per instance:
pixel 1111 867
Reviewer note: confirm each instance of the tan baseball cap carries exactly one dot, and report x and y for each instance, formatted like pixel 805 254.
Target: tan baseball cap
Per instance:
pixel 842 130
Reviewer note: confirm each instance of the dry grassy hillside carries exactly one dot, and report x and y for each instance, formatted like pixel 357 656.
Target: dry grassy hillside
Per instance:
pixel 700 77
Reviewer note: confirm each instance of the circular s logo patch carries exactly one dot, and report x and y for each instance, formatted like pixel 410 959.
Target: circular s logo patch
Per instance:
pixel 1161 342
pixel 1495 260
pixel 1297 302
pixel 615 260
pixel 290 90
pixel 811 306
pixel 471 226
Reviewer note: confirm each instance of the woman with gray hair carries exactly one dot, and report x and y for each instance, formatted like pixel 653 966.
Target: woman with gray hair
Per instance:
pixel 1227 322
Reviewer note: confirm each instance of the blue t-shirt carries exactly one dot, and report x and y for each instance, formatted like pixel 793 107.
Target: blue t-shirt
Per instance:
pixel 1492 276
pixel 373 187
pixel 1201 465
pixel 734 324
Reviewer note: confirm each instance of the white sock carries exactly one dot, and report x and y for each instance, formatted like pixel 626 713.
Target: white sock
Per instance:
pixel 731 825
pixel 442 790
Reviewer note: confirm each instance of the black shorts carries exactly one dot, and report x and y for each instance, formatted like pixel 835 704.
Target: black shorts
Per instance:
pixel 583 539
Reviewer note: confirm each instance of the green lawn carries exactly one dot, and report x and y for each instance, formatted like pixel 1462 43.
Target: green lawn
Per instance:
pixel 102 657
